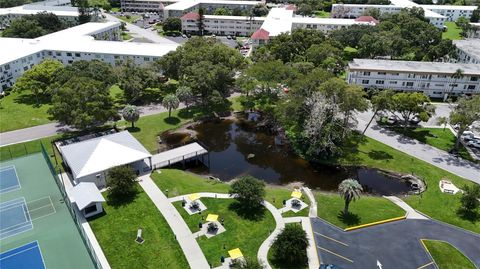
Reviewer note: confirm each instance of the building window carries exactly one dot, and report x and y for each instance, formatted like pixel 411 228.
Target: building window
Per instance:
pixel 393 82
pixel 382 73
pixel 381 82
pixel 77 54
pixel 366 73
pixel 474 79
pixel 58 53
pixel 471 87
pixel 69 54
pixel 365 81
pixel 409 84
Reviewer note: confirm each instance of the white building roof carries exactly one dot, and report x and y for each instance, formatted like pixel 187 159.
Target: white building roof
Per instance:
pixel 77 39
pixel 279 20
pixel 470 46
pixel 185 4
pixel 102 153
pixel 234 18
pixel 326 21
pixel 34 9
pixel 86 193
pixel 413 66
pixel 447 7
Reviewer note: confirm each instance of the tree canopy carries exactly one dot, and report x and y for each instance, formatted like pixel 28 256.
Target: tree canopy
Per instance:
pixel 249 191
pixel 33 26
pixel 290 246
pixel 172 24
pixel 121 182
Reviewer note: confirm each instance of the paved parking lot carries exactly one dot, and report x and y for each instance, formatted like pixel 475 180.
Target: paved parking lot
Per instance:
pixel 393 245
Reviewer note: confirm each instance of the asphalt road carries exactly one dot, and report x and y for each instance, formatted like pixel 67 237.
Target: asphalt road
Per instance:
pixel 393 245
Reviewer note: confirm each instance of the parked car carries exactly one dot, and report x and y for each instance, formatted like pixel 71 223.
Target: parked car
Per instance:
pixel 189 35
pixel 392 120
pixel 415 120
pixel 474 143
pixel 229 37
pixel 329 266
pixel 184 35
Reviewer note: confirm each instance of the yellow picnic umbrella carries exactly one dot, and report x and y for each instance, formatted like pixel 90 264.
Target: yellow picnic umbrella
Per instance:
pixel 194 196
pixel 235 253
pixel 212 217
pixel 296 194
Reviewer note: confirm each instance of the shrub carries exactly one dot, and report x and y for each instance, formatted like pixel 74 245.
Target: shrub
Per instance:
pixel 290 246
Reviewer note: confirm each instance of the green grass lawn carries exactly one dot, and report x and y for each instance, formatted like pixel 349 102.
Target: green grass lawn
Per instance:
pixel 126 36
pixel 130 18
pixel 179 182
pixel 322 14
pixel 447 256
pixel 440 138
pixel 147 128
pixel 18 110
pixel 367 209
pixel 22 149
pixel 453 31
pixel 241 232
pixel 116 231
pixel 434 203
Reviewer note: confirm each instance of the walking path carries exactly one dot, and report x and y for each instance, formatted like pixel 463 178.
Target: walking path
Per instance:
pixel 313 203
pixel 411 213
pixel 184 236
pixel 427 153
pixel 265 246
pixel 54 128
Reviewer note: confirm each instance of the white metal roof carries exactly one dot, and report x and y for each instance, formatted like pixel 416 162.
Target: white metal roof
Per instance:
pixel 184 4
pixel 31 10
pixel 102 153
pixel 177 154
pixel 86 193
pixel 470 46
pixel 279 20
pixel 413 66
pixel 441 7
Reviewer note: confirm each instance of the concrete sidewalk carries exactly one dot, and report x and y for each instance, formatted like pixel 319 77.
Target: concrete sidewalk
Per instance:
pixel 185 238
pixel 411 213
pixel 427 153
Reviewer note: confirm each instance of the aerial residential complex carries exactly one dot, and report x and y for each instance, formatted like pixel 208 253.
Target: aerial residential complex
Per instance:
pixel 180 8
pixel 90 41
pixel 468 50
pixel 67 14
pixel 432 78
pixel 437 14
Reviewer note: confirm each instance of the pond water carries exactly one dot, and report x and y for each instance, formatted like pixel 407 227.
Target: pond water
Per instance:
pixel 236 149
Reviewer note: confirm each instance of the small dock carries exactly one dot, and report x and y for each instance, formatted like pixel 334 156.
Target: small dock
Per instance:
pixel 180 154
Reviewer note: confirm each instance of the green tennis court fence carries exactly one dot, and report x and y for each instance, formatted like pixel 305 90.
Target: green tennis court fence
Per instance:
pixel 71 208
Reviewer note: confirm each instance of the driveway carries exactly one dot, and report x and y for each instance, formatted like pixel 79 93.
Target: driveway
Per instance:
pixel 393 245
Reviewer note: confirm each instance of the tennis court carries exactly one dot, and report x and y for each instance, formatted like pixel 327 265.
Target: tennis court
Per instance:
pixel 8 179
pixel 14 218
pixel 36 228
pixel 28 256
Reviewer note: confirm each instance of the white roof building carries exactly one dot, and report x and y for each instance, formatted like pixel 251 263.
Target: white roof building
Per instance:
pixel 97 155
pixel 468 50
pixel 86 193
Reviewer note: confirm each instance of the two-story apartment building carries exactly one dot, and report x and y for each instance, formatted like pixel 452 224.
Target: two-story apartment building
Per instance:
pixel 222 25
pixel 468 50
pixel 434 79
pixel 183 7
pixel 67 14
pixel 90 41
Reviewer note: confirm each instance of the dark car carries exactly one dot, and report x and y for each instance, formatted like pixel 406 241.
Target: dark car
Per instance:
pixel 329 266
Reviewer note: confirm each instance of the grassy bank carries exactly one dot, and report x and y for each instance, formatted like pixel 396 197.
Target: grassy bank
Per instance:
pixel 117 228
pixel 365 210
pixel 446 256
pixel 179 182
pixel 434 203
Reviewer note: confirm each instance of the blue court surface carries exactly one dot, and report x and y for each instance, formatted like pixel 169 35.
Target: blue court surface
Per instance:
pixel 27 256
pixel 14 218
pixel 8 179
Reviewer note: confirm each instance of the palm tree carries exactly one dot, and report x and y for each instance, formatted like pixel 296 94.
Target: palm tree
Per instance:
pixel 456 76
pixel 170 101
pixel 131 114
pixel 350 190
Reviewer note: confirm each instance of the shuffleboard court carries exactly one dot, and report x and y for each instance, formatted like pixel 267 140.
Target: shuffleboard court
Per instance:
pixel 8 179
pixel 14 218
pixel 28 256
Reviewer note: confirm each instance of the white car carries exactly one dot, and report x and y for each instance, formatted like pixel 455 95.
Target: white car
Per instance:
pixel 474 143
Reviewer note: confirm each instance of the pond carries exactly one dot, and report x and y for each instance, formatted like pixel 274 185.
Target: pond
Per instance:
pixel 237 148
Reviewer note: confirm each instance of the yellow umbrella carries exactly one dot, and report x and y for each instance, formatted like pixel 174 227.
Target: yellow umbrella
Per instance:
pixel 296 194
pixel 212 217
pixel 194 196
pixel 235 253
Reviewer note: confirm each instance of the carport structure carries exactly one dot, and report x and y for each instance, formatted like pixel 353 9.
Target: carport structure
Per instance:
pixel 393 245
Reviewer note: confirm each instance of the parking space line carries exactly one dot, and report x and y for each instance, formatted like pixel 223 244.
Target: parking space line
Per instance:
pixel 336 254
pixel 334 240
pixel 426 265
